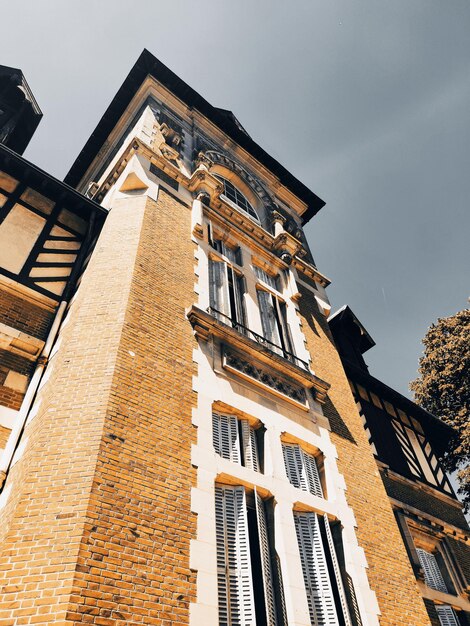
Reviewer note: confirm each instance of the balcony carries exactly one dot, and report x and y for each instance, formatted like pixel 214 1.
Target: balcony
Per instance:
pixel 244 330
pixel 257 349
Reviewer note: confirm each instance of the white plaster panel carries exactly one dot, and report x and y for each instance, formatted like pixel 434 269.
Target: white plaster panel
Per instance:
pixel 7 417
pixel 18 234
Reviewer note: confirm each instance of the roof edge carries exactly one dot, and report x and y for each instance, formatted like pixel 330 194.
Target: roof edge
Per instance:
pixel 147 64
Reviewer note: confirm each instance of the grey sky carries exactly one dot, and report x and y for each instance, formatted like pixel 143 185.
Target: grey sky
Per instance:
pixel 367 102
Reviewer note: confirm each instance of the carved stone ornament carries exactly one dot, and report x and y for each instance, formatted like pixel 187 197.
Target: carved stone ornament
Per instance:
pixel 168 152
pixel 280 386
pixel 286 246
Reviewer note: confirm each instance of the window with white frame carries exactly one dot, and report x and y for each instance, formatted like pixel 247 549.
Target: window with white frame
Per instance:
pixel 327 596
pixel 272 280
pixel 235 196
pixel 227 288
pixel 273 313
pixel 249 581
pixel 302 469
pixel 237 440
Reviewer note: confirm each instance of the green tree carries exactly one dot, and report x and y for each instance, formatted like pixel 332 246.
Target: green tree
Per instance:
pixel 443 388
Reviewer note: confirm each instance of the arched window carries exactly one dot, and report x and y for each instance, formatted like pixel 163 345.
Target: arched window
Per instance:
pixel 236 196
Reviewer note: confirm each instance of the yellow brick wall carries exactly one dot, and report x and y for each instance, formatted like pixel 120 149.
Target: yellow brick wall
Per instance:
pixel 98 518
pixel 389 572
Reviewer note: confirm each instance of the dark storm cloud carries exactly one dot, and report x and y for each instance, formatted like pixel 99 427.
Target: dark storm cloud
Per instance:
pixel 366 102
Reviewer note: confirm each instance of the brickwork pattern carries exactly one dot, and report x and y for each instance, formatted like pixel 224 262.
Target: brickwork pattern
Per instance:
pixel 27 317
pixel 461 552
pixel 42 523
pixel 424 501
pixel 133 566
pixel 390 574
pixel 98 531
pixel 12 398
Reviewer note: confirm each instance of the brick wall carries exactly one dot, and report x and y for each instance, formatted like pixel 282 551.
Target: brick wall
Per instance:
pixel 9 397
pixel 27 317
pixel 136 542
pixel 98 530
pixel 390 574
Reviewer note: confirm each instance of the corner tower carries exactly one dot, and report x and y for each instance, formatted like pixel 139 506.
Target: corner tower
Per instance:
pixel 194 454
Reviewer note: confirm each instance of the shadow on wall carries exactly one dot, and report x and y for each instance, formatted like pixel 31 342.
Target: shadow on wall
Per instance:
pixel 337 423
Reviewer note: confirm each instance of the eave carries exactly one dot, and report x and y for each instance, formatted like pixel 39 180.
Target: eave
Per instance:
pixel 147 65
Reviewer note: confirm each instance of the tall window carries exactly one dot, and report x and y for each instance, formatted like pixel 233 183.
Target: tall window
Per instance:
pixel 249 581
pixel 326 595
pixel 301 469
pixel 274 321
pixel 235 195
pixel 237 441
pixel 226 293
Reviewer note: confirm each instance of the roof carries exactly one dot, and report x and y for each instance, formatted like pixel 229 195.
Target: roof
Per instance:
pixel 38 179
pixel 437 431
pixel 149 65
pixel 345 314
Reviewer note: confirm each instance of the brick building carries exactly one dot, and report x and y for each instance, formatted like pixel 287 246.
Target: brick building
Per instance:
pixel 180 441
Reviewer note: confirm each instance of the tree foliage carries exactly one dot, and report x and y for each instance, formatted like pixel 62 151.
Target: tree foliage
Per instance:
pixel 443 388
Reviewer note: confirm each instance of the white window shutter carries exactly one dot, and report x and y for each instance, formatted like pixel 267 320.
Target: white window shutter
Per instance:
pixel 268 320
pixel 250 447
pixel 336 568
pixel 313 477
pixel 293 465
pixel 446 616
pixel 432 574
pixel 301 469
pixel 269 597
pixel 225 436
pixel 238 291
pixel 315 571
pixel 235 590
pixel 218 294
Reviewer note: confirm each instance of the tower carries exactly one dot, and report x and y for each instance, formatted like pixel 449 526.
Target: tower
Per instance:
pixel 188 450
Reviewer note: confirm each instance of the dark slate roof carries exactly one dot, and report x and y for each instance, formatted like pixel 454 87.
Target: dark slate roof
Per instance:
pixel 147 65
pixel 38 179
pixel 345 314
pixel 438 432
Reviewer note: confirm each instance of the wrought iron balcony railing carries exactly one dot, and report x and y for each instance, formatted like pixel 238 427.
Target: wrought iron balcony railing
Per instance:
pixel 244 330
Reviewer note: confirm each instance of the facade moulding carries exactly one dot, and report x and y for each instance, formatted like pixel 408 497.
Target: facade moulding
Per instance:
pixel 436 493
pixel 442 525
pixel 200 182
pixel 205 326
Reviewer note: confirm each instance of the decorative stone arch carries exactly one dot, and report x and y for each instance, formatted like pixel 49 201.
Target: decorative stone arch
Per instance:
pixel 249 185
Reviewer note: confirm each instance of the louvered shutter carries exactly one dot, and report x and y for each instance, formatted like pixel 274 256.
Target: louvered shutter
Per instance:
pixel 225 436
pixel 250 447
pixel 269 596
pixel 336 568
pixel 313 477
pixel 268 320
pixel 446 616
pixel 294 466
pixel 238 291
pixel 218 295
pixel 432 574
pixel 235 589
pixel 315 571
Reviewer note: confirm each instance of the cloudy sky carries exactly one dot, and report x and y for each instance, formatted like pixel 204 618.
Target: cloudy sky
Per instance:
pixel 366 101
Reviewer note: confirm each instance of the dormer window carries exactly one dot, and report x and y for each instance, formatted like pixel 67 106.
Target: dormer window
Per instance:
pixel 235 196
